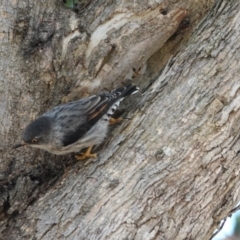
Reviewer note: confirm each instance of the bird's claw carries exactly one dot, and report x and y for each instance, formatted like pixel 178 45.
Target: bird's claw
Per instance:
pixel 113 121
pixel 84 156
pixel 87 154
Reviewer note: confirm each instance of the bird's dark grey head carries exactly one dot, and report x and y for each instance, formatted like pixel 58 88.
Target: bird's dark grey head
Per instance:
pixel 38 132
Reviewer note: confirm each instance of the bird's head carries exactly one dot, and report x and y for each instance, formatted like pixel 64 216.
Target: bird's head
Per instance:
pixel 37 133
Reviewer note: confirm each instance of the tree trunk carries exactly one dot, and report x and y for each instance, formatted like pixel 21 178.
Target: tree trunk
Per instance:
pixel 172 170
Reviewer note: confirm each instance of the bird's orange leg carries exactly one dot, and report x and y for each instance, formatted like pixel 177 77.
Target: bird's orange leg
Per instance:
pixel 86 154
pixel 115 120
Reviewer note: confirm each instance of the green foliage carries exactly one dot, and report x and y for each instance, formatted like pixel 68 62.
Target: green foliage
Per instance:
pixel 70 3
pixel 237 226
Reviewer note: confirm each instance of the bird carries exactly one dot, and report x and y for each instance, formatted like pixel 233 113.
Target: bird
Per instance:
pixel 76 125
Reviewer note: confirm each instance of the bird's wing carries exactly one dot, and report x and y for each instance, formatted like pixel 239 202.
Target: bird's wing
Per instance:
pixel 75 119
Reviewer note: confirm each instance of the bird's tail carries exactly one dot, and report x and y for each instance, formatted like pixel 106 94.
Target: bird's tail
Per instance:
pixel 127 90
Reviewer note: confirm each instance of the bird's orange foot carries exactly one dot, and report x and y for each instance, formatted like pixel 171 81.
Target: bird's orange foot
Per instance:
pixel 113 121
pixel 87 154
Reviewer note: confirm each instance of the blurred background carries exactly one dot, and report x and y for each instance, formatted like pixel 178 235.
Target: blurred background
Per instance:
pixel 231 228
pixel 71 3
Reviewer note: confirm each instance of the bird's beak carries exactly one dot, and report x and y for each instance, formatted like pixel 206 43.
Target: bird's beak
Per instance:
pixel 19 145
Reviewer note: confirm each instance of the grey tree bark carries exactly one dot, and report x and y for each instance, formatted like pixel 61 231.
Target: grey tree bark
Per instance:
pixel 172 170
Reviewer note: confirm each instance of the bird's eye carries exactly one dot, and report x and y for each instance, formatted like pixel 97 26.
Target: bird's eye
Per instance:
pixel 34 140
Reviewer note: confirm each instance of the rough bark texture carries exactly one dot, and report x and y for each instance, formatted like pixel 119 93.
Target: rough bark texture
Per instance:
pixel 172 171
